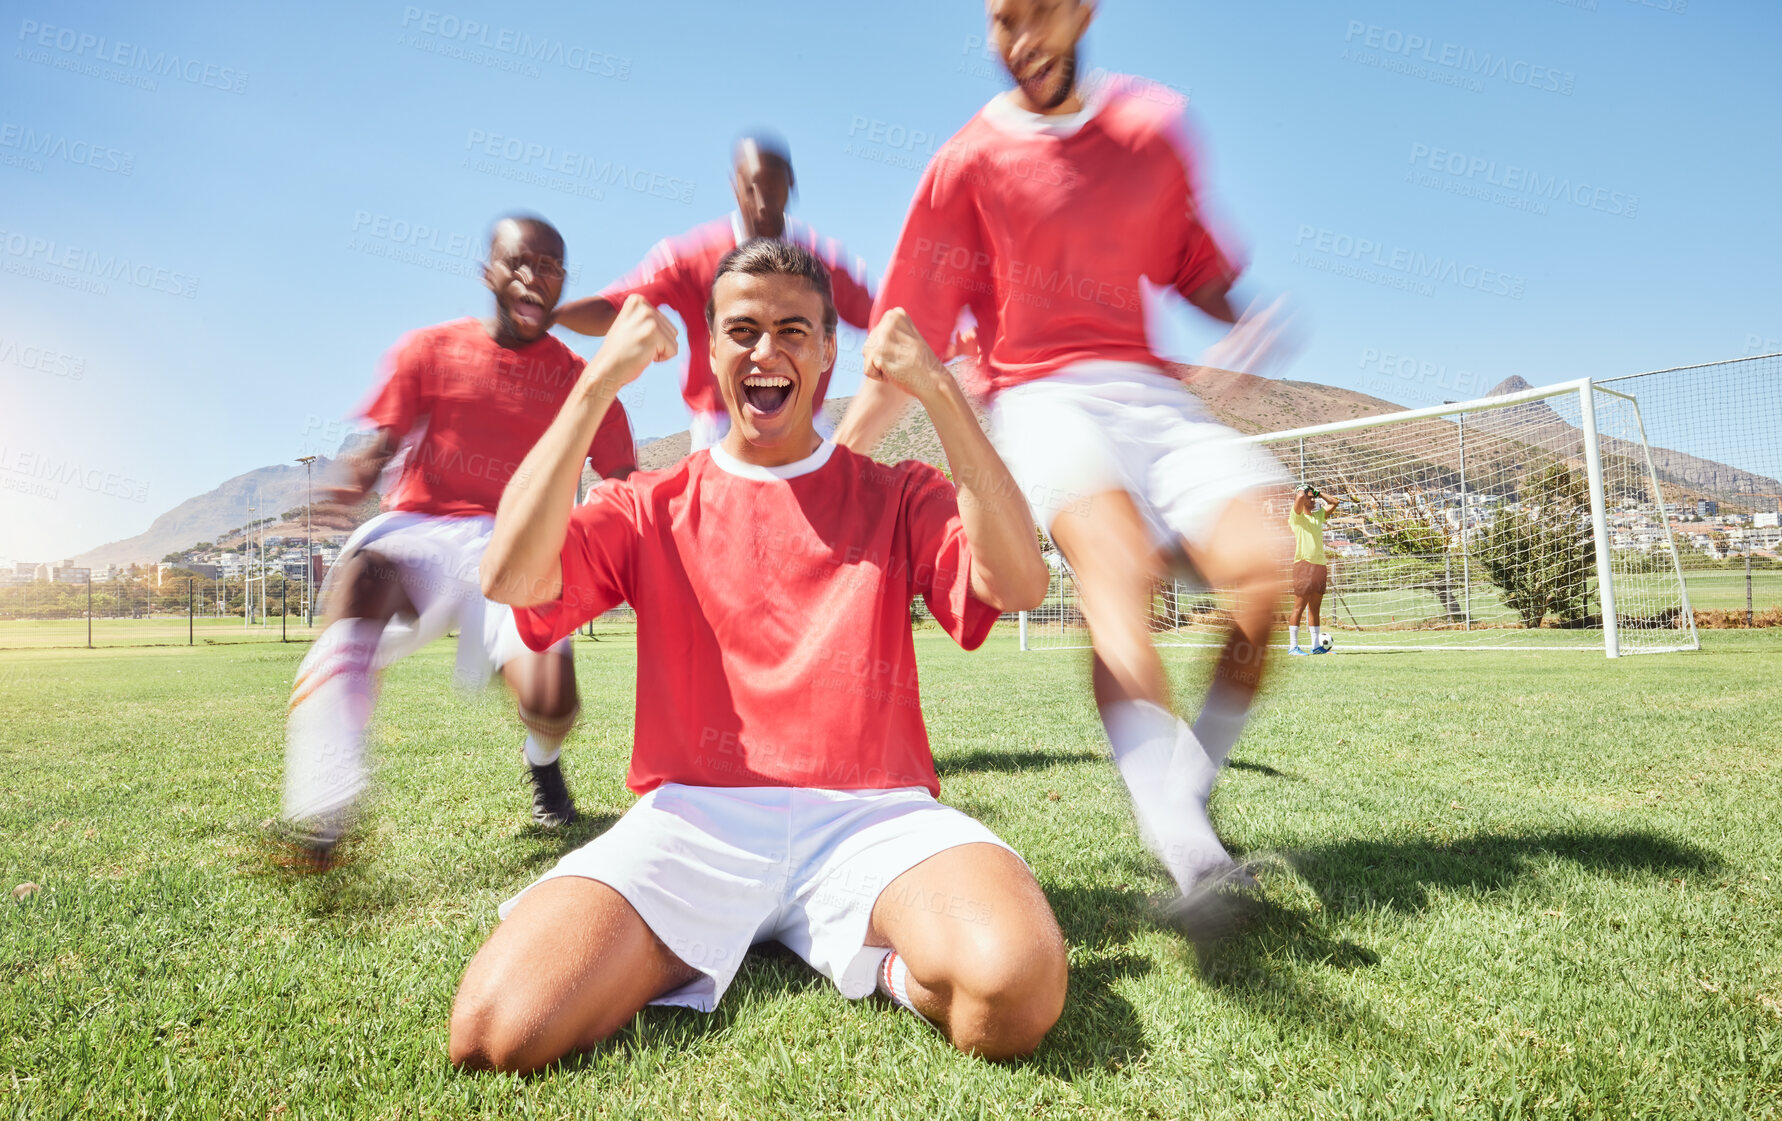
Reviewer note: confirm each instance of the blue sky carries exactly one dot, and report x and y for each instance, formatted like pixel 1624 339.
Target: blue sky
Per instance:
pixel 218 217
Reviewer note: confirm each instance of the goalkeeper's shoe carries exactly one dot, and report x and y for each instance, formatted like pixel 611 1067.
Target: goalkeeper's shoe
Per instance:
pixel 1321 648
pixel 1296 651
pixel 552 807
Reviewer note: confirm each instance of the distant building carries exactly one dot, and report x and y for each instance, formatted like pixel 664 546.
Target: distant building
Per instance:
pixel 69 573
pixel 1706 508
pixel 1763 521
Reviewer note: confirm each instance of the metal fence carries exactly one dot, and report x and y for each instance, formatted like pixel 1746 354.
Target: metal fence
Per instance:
pixel 184 610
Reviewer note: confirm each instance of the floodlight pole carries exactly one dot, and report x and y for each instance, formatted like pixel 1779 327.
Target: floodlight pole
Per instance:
pixel 1599 518
pixel 309 548
pixel 247 582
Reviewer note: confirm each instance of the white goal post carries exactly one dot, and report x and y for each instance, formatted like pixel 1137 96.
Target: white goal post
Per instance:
pixel 1534 520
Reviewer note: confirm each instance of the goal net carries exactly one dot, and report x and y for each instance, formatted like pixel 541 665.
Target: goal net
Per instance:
pixel 1713 429
pixel 1531 520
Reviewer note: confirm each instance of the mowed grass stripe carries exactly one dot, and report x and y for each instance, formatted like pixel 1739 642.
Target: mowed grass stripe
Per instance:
pixel 1509 884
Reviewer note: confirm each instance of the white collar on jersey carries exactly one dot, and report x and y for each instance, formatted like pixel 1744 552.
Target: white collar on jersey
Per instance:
pixel 741 235
pixel 1006 115
pixel 731 465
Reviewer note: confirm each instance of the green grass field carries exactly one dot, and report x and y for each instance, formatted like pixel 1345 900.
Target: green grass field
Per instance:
pixel 1513 885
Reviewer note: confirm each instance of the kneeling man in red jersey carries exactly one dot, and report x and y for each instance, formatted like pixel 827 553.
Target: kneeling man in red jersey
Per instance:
pixel 787 789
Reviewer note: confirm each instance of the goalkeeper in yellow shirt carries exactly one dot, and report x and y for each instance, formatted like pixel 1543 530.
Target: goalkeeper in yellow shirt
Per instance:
pixel 1311 571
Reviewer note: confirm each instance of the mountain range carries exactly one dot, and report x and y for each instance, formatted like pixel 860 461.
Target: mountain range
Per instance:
pixel 1245 402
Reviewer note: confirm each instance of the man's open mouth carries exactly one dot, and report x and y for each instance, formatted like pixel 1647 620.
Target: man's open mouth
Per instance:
pixel 766 393
pixel 527 313
pixel 1036 73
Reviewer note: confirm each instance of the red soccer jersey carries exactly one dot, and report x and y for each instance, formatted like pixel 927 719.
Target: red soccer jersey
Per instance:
pixel 773 622
pixel 1045 226
pixel 478 407
pixel 679 271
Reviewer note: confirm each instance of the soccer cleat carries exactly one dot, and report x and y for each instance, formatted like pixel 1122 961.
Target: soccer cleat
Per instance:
pixel 311 845
pixel 1216 907
pixel 552 807
pixel 1296 652
pixel 1318 649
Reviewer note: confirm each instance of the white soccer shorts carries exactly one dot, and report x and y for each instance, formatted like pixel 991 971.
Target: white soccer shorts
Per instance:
pixel 436 559
pixel 1105 426
pixel 714 870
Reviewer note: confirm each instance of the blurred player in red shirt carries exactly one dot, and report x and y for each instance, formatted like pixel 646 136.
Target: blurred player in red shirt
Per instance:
pixel 786 780
pixel 1046 217
pixel 677 273
pixel 465 401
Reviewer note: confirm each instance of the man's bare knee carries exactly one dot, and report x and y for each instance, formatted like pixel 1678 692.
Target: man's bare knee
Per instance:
pixel 1004 1003
pixel 495 1028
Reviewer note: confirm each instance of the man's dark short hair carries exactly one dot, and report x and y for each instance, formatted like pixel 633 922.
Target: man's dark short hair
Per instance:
pixel 771 145
pixel 766 256
pixel 534 222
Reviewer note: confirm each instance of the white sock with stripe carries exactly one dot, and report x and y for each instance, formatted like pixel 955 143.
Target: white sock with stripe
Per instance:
pixel 894 982
pixel 331 704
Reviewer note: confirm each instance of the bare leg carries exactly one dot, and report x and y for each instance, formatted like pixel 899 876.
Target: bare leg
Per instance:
pixel 370 587
pixel 1115 564
pixel 543 685
pixel 573 963
pixel 991 975
pixel 1165 771
pixel 1247 555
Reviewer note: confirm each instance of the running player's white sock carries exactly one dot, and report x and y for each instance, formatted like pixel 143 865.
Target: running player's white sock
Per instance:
pixel 1292 636
pixel 1221 722
pixel 1169 778
pixel 542 750
pixel 894 982
pixel 331 704
pixel 1314 634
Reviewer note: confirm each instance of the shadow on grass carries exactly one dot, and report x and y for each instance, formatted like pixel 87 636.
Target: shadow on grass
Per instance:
pixel 363 880
pixel 1009 762
pixel 1258 768
pixel 1098 1030
pixel 1265 967
pixel 1266 970
pixel 1361 874
pixel 553 845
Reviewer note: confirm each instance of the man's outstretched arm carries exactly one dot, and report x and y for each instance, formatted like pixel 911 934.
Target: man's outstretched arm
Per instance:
pixel 1007 571
pixel 522 565
pixel 590 315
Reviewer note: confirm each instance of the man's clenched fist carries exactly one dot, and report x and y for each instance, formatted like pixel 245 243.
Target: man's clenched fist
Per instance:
pixel 895 352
